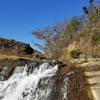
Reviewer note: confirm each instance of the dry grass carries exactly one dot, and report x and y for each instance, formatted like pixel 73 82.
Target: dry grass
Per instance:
pixel 14 57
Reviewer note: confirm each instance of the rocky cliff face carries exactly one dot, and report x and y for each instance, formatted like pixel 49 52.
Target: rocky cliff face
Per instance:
pixel 14 53
pixel 14 47
pixel 90 72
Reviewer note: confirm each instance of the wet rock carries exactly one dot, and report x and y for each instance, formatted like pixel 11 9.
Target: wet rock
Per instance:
pixel 7 67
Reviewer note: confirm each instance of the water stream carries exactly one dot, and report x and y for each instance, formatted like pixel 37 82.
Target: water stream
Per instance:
pixel 36 84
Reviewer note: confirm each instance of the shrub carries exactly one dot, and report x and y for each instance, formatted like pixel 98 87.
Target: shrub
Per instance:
pixel 95 38
pixel 75 53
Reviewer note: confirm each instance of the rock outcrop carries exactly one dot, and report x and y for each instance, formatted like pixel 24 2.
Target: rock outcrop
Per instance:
pixel 14 53
pixel 15 47
pixel 91 73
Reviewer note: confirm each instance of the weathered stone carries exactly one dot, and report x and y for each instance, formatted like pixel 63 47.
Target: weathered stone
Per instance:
pixel 12 47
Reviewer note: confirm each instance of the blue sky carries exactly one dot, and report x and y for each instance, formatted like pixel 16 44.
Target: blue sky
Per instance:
pixel 19 18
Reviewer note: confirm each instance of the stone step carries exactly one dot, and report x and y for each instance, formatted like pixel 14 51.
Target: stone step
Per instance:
pixel 91 63
pixel 92 77
pixel 93 59
pixel 92 73
pixel 95 88
pixel 85 60
pixel 94 80
pixel 96 93
pixel 95 85
pixel 90 68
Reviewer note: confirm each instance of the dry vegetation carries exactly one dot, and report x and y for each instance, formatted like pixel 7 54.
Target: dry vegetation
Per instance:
pixel 13 57
pixel 75 38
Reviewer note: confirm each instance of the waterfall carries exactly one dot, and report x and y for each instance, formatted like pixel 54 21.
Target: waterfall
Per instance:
pixel 28 83
pixel 64 89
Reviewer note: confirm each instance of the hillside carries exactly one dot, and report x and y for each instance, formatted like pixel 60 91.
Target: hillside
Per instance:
pixel 12 47
pixel 14 53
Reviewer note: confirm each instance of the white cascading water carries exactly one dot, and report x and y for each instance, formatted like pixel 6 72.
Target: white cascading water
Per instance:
pixel 65 89
pixel 28 86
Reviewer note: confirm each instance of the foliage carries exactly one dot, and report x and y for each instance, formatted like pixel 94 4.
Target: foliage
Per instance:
pixel 95 38
pixel 75 53
pixel 80 29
